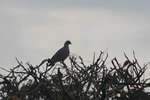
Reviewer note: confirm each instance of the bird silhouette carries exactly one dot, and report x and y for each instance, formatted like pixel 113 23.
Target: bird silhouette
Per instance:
pixel 60 55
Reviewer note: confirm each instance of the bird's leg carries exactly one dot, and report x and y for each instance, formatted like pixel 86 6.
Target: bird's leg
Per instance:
pixel 64 64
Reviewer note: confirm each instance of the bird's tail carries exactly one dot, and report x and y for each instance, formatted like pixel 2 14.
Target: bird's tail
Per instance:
pixel 50 62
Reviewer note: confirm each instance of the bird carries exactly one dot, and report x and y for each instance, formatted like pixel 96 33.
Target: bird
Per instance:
pixel 61 54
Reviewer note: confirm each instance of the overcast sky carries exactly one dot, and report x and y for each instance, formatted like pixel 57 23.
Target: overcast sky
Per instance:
pixel 33 30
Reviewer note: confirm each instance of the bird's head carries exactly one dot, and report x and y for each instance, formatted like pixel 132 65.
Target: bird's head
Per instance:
pixel 67 43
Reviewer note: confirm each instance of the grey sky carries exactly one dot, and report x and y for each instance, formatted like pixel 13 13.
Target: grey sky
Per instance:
pixel 32 30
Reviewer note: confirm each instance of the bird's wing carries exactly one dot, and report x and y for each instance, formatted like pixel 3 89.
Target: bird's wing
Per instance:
pixel 60 55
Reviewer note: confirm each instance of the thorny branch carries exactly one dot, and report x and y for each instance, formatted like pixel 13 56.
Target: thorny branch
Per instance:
pixel 77 81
